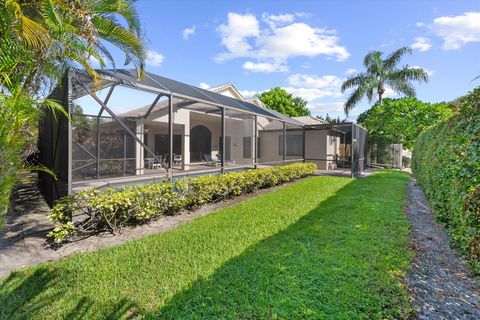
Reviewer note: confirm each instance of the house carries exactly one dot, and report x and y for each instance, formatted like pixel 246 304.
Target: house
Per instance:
pixel 128 131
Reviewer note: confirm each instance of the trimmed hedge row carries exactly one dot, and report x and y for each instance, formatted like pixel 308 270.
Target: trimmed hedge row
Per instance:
pixel 110 209
pixel 446 163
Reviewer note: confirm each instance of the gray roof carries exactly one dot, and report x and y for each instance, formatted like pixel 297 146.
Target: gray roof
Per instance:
pixel 309 120
pixel 158 84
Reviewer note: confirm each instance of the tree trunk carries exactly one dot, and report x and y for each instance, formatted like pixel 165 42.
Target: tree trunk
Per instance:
pixel 380 91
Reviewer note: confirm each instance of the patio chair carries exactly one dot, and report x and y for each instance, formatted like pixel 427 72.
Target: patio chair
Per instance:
pixel 209 160
pixel 177 159
pixel 227 162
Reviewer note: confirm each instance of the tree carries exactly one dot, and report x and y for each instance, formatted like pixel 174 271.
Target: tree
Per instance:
pixel 380 74
pixel 39 39
pixel 401 120
pixel 332 120
pixel 280 100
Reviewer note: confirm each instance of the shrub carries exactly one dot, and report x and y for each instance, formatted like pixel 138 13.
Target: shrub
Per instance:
pixel 110 209
pixel 446 162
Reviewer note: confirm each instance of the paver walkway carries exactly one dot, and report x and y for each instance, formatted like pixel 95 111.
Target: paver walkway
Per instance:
pixel 26 227
pixel 440 285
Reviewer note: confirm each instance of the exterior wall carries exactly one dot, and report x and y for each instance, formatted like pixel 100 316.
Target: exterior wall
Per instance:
pixel 316 147
pixel 269 151
pixel 321 147
pixel 237 129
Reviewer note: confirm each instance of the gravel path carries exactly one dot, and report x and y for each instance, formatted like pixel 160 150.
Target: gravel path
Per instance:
pixel 440 285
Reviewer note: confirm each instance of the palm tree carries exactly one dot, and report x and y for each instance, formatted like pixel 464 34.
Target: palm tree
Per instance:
pixel 39 38
pixel 381 73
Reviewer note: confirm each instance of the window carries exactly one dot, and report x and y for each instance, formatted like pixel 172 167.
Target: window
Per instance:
pixel 294 145
pixel 247 147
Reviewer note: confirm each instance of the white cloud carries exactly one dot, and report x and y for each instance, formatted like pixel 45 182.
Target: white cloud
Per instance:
pixel 265 67
pixel 276 39
pixel 187 32
pixel 235 35
pixel 154 59
pixel 419 24
pixel 300 39
pixel 306 65
pixel 328 83
pixel 248 93
pixel 422 44
pixel 350 71
pixel 278 20
pixel 428 71
pixel 309 94
pixel 312 87
pixel 335 106
pixel 389 93
pixel 458 30
pixel 204 85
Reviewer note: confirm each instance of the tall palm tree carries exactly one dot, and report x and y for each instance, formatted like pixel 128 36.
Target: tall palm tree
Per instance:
pixel 381 73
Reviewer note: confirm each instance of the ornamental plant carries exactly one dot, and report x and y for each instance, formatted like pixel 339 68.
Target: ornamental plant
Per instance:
pixel 92 210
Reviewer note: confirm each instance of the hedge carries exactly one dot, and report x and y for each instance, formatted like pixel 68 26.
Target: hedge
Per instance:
pixel 110 209
pixel 446 163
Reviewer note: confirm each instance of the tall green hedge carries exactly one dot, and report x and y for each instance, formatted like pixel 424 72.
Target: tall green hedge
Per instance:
pixel 446 163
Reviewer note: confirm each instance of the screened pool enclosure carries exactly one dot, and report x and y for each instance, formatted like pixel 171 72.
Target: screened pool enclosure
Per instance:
pixel 129 131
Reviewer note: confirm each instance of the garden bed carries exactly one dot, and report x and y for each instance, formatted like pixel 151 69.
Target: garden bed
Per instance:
pixel 111 210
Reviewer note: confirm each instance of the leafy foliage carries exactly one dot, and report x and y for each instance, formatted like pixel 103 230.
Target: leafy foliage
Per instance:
pixel 280 100
pixel 109 209
pixel 381 73
pixel 38 40
pixel 446 162
pixel 401 120
pixel 18 114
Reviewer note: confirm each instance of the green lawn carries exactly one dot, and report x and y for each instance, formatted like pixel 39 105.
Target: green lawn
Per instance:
pixel 324 247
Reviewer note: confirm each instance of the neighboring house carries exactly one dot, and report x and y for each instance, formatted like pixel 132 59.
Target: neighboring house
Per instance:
pixel 183 131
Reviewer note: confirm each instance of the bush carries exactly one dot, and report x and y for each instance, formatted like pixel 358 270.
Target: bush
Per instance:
pixel 110 209
pixel 446 162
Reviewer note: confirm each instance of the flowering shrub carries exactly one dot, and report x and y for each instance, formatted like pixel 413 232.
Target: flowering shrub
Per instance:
pixel 446 162
pixel 110 209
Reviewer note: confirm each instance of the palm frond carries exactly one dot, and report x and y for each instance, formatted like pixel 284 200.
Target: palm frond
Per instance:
pixel 123 8
pixel 393 59
pixel 402 87
pixel 353 99
pixel 353 81
pixel 409 74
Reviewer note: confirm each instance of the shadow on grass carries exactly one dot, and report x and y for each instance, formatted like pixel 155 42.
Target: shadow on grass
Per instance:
pixel 341 260
pixel 21 297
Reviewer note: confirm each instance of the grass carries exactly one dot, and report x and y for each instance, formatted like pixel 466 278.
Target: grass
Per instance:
pixel 324 247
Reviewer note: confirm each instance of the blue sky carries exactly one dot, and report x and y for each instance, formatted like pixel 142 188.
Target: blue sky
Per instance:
pixel 310 47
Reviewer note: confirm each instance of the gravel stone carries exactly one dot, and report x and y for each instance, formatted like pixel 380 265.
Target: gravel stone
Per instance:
pixel 440 285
